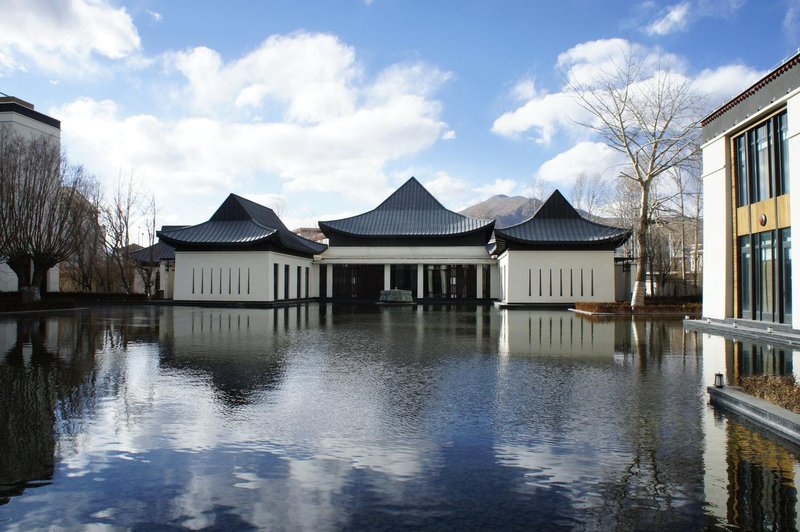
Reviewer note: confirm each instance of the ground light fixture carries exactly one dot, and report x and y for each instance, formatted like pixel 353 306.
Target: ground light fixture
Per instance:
pixel 719 380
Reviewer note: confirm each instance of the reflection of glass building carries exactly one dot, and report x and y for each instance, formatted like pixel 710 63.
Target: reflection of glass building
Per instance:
pixel 761 482
pixel 747 175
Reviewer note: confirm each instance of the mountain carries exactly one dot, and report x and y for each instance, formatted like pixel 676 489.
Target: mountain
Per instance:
pixel 506 210
pixel 515 209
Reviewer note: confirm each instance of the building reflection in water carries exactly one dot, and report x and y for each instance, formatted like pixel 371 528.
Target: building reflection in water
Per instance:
pixel 750 475
pixel 605 419
pixel 761 480
pixel 544 332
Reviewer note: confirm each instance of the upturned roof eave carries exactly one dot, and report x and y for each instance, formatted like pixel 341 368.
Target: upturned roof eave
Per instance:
pixel 487 226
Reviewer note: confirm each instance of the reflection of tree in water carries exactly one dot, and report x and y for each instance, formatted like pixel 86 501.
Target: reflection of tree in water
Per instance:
pixel 43 384
pixel 761 481
pixel 662 482
pixel 242 352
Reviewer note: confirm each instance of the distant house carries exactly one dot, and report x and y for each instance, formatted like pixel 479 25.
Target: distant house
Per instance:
pixel 21 118
pixel 559 257
pixel 409 242
pixel 242 253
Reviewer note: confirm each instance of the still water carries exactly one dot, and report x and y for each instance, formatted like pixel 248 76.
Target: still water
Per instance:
pixel 324 417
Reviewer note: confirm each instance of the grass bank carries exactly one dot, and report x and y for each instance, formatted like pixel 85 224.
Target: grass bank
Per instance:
pixel 780 390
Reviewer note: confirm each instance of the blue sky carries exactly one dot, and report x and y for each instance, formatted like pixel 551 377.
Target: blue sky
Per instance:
pixel 321 109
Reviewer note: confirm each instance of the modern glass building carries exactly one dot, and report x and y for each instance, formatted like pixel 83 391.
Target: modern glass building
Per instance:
pixel 749 209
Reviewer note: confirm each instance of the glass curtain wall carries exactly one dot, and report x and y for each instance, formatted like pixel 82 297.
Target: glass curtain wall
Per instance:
pixel 764 256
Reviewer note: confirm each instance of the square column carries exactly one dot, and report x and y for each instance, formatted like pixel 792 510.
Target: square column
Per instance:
pixel 420 280
pixel 479 281
pixel 329 280
pixel 387 277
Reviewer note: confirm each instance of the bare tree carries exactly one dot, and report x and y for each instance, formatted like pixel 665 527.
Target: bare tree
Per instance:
pixel 589 193
pixel 643 110
pixel 147 262
pixel 117 216
pixel 83 271
pixel 43 208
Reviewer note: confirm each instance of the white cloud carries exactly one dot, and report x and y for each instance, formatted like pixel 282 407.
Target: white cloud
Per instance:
pixel 447 188
pixel 65 38
pixel 499 186
pixel 449 135
pixel 675 18
pixel 543 115
pixel 155 15
pixel 723 83
pixel 324 128
pixel 585 157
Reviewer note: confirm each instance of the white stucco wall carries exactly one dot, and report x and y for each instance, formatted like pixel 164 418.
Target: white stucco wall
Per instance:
pixel 522 269
pixel 234 267
pixel 30 128
pixel 406 255
pixel 717 239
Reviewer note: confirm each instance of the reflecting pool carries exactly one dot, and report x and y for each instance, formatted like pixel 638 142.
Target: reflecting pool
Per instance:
pixel 328 417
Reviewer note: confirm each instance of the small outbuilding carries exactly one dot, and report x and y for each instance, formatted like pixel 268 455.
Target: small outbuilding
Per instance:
pixel 243 253
pixel 557 257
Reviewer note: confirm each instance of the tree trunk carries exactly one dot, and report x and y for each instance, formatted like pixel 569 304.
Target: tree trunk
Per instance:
pixel 637 298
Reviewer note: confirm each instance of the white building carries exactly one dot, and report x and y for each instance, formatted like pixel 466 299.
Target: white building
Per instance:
pixel 751 157
pixel 20 117
pixel 243 253
pixel 558 257
pixel 409 242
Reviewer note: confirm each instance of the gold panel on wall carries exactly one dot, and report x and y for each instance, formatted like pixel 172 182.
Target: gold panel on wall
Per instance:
pixel 743 220
pixel 784 211
pixel 762 216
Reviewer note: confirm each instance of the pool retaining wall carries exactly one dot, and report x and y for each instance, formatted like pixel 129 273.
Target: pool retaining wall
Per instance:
pixel 778 420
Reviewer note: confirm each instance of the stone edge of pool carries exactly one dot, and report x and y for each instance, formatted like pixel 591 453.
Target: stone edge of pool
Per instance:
pixel 780 421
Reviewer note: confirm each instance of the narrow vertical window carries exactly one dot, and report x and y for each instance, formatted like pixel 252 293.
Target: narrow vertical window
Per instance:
pixel 230 278
pixel 239 288
pixel 220 280
pixel 551 282
pixel 193 280
pixel 275 282
pixel 298 295
pixel 592 273
pixel 308 278
pixel 742 174
pixel 570 283
pixel 286 281
pixel 561 282
pixel 529 282
pixel 202 280
pixel 540 282
pixel 248 281
pixel 581 282
pixel 211 280
pixel 783 154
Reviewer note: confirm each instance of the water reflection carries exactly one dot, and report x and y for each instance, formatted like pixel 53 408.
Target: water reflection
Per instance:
pixel 325 417
pixel 762 493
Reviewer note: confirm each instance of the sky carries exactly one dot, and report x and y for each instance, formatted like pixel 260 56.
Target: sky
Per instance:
pixel 320 109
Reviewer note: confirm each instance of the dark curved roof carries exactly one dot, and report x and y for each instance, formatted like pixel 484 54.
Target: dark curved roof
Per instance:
pixel 240 223
pixel 155 253
pixel 556 225
pixel 411 211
